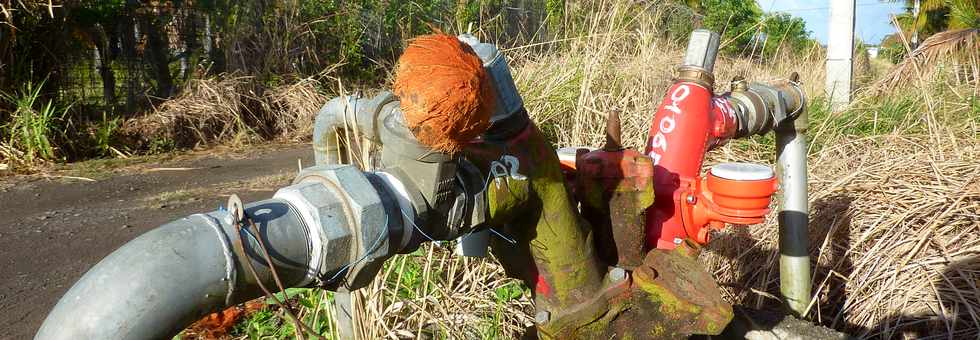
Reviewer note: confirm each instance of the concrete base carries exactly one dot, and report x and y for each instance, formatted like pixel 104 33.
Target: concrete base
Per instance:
pixel 764 325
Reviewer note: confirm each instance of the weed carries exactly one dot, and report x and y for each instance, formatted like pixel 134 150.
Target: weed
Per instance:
pixel 32 125
pixel 161 145
pixel 104 134
pixel 101 168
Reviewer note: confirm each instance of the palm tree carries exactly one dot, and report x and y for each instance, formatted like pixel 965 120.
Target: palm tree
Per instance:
pixel 959 40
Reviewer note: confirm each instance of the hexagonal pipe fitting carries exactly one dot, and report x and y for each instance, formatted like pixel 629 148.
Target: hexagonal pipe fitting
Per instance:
pixel 353 216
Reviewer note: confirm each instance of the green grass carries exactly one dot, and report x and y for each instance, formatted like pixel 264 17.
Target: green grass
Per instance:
pixel 102 168
pixel 410 280
pixel 33 125
pixel 104 133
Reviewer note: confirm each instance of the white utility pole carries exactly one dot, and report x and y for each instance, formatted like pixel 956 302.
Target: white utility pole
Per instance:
pixel 840 53
pixel 915 24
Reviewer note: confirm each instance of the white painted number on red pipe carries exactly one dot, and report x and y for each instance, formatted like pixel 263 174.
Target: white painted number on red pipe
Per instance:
pixel 667 124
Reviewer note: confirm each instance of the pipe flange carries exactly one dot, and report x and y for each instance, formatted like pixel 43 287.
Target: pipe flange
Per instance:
pixel 696 75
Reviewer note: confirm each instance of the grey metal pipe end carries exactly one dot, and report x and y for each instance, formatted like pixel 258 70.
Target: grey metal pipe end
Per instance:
pixel 702 49
pixel 158 283
pixel 509 101
pixel 794 257
pixel 354 111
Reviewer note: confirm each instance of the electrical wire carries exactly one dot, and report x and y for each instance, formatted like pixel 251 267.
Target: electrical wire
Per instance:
pixel 373 248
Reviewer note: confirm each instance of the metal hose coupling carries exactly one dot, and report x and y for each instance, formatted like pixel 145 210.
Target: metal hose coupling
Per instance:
pixel 356 222
pixel 761 107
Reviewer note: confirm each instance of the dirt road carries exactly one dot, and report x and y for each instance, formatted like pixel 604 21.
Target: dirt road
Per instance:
pixel 52 231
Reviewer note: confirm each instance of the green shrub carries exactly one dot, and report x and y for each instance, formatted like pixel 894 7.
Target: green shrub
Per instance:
pixel 32 125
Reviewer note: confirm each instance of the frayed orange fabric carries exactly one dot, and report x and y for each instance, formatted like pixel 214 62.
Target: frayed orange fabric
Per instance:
pixel 446 95
pixel 218 325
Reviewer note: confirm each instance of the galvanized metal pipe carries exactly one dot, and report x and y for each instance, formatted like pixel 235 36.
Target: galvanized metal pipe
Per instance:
pixel 340 112
pixel 330 228
pixel 160 282
pixel 794 258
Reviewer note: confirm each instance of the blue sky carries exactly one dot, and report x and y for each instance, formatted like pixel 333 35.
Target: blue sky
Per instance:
pixel 873 16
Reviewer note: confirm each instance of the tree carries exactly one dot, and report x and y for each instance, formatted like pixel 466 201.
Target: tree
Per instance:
pixel 958 40
pixel 736 20
pixel 745 30
pixel 781 31
pixel 936 16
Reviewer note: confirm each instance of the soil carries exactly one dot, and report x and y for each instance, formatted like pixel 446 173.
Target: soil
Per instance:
pixel 55 228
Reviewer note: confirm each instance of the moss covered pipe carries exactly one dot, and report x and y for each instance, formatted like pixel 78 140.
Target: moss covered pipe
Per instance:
pixel 543 240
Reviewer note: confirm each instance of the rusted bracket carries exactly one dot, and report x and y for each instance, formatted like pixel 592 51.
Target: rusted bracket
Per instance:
pixel 669 296
pixel 673 296
pixel 579 321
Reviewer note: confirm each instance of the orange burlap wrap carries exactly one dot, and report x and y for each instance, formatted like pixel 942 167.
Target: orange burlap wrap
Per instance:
pixel 446 95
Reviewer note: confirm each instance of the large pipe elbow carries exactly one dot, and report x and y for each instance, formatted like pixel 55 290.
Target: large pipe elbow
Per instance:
pixel 312 231
pixel 160 282
pixel 344 111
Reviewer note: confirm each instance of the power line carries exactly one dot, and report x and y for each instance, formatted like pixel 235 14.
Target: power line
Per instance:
pixel 826 8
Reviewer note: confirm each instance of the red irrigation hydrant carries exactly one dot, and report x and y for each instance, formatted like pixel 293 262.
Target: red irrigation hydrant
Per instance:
pixel 690 121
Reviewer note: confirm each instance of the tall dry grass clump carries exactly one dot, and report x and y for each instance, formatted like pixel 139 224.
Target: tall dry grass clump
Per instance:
pixel 231 109
pixel 292 108
pixel 209 110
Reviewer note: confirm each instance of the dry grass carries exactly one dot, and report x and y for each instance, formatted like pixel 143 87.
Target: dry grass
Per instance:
pixel 435 292
pixel 291 108
pixel 208 110
pixel 958 50
pixel 227 110
pixel 894 222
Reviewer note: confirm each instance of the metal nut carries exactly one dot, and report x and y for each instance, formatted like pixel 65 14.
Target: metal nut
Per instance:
pixel 542 317
pixel 350 215
pixel 323 209
pixel 370 221
pixel 617 274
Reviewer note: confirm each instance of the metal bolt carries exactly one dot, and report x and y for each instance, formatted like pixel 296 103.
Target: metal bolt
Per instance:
pixel 739 84
pixel 691 199
pixel 678 241
pixel 614 132
pixel 542 317
pixel 617 274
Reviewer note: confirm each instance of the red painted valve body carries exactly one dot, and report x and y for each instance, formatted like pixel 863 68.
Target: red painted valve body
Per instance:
pixel 689 122
pixel 714 201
